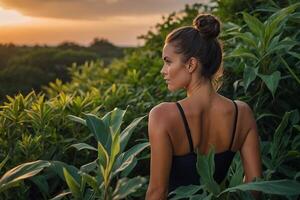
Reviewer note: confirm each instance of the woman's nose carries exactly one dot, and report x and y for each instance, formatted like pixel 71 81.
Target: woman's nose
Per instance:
pixel 162 71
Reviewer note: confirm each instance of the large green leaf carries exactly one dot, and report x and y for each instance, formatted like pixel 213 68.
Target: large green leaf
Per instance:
pixel 206 169
pixel 41 182
pixel 57 167
pixel 114 119
pixel 249 76
pixel 127 132
pixel 185 191
pixel 99 129
pixel 254 24
pixel 248 38
pixel 263 115
pixel 26 170
pixel 136 149
pixel 273 24
pixel 81 146
pixel 127 186
pixel 271 81
pixel 77 119
pixel 285 45
pixel 279 187
pixel 102 155
pixel 295 117
pixel 89 167
pixel 294 54
pixel 128 168
pixel 238 171
pixel 125 159
pixel 72 184
pixel 290 70
pixel 121 164
pixel 280 138
pixel 241 52
pixel 91 181
pixel 115 149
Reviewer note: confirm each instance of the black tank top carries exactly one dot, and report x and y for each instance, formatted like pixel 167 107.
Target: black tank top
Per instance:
pixel 183 169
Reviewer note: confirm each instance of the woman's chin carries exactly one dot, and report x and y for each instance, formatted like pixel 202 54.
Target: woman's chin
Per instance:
pixel 171 89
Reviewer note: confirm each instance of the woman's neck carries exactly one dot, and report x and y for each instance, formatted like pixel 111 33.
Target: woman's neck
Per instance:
pixel 201 90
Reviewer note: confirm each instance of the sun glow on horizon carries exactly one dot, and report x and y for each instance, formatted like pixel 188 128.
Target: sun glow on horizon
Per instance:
pixel 12 17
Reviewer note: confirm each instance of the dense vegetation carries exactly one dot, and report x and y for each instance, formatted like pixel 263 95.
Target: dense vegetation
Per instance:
pixel 27 68
pixel 71 142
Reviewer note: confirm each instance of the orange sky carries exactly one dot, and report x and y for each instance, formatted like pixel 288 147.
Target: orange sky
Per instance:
pixel 55 21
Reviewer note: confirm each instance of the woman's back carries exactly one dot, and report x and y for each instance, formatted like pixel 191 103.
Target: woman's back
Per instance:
pixel 183 168
pixel 209 125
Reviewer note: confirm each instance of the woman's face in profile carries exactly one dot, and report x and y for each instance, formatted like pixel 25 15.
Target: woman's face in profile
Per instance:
pixel 174 70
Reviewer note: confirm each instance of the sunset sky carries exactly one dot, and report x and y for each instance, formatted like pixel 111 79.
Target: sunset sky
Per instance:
pixel 54 21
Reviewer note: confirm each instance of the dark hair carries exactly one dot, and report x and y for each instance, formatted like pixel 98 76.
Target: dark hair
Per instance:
pixel 199 41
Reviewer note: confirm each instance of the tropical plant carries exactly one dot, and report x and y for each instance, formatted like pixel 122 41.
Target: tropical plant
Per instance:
pixel 97 178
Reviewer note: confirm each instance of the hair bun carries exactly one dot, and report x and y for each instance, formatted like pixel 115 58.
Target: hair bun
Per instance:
pixel 208 25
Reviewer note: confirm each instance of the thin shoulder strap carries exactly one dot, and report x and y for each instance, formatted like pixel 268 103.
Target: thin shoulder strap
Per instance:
pixel 186 125
pixel 235 121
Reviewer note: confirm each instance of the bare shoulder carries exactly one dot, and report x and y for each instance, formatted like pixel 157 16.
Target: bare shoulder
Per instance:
pixel 160 115
pixel 162 112
pixel 246 121
pixel 246 112
pixel 159 109
pixel 244 107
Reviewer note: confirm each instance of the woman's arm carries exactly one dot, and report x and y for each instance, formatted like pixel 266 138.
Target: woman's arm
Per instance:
pixel 161 154
pixel 250 150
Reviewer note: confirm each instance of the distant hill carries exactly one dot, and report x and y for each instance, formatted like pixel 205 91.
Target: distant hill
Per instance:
pixel 23 68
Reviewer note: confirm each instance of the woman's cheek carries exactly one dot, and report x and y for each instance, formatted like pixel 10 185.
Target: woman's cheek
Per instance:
pixel 174 85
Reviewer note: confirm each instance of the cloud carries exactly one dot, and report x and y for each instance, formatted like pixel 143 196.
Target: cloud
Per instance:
pixel 54 21
pixel 119 30
pixel 93 9
pixel 8 17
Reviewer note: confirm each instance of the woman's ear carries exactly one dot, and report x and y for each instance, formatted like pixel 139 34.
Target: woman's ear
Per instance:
pixel 192 64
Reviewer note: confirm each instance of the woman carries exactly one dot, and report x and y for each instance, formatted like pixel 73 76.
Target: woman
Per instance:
pixel 192 56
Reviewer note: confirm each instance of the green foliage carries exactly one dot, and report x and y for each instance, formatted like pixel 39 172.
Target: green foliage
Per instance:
pixel 280 187
pixel 96 181
pixel 260 52
pixel 31 126
pixel 188 192
pixel 206 169
pixel 72 184
pixel 228 10
pixel 111 160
